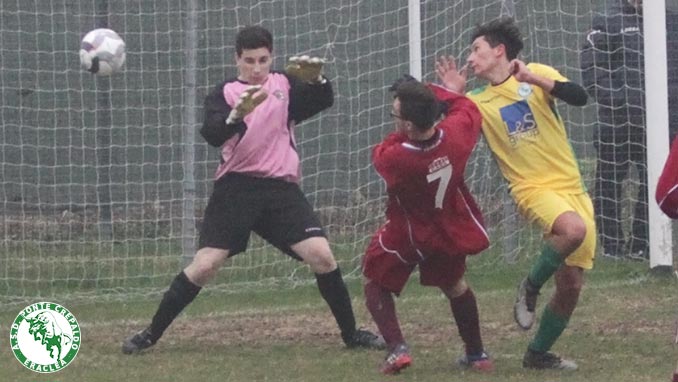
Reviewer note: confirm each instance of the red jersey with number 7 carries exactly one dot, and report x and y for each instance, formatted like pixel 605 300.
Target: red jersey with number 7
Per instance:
pixel 429 204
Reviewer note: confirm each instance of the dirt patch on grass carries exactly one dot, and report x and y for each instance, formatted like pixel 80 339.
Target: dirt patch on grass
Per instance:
pixel 291 328
pixel 432 325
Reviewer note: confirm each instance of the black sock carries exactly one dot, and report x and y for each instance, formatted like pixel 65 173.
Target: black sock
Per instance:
pixel 180 293
pixel 334 291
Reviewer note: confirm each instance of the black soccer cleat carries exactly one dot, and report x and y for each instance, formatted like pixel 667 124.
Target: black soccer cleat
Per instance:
pixel 546 360
pixel 138 342
pixel 362 338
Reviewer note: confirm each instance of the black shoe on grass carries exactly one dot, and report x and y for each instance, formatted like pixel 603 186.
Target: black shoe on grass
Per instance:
pixel 137 342
pixel 362 338
pixel 546 360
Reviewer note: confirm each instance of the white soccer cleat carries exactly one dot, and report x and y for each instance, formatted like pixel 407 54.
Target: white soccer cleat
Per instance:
pixel 524 307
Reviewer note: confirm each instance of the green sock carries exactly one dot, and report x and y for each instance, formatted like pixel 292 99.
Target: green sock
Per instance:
pixel 551 327
pixel 546 265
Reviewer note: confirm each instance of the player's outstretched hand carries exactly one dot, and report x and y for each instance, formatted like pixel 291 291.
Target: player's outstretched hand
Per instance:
pixel 306 68
pixel 519 71
pixel 252 97
pixel 447 72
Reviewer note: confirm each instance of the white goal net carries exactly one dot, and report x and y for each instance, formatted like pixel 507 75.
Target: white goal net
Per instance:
pixel 103 180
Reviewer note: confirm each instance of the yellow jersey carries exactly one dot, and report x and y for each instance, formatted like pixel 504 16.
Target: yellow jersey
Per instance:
pixel 526 134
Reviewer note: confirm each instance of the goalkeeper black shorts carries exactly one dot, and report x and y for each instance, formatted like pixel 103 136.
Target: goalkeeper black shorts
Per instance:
pixel 275 209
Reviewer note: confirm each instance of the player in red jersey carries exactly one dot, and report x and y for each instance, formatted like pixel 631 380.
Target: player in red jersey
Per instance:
pixel 432 220
pixel 667 187
pixel 667 198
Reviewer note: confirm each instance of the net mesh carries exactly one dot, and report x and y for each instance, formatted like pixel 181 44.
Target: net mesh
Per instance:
pixel 103 179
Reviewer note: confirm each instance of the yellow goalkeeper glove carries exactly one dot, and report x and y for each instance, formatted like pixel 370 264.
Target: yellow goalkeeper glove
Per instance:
pixel 306 68
pixel 252 97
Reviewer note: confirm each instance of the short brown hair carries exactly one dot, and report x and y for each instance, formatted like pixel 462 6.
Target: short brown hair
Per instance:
pixel 253 37
pixel 418 104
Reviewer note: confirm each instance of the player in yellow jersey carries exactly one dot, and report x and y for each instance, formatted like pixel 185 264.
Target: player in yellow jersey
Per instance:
pixel 528 139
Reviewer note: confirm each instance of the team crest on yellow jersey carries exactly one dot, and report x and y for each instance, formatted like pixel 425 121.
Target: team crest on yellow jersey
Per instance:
pixel 524 90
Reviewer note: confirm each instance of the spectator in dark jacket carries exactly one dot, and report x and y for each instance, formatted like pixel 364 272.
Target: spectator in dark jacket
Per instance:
pixel 612 63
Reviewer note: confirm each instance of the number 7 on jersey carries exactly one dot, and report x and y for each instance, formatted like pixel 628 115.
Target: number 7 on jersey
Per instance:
pixel 444 174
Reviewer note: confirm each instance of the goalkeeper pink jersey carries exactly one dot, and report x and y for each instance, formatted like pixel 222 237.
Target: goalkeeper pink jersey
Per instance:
pixel 262 145
pixel 267 149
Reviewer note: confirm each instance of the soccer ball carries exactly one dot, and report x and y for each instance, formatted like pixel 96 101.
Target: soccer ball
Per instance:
pixel 102 52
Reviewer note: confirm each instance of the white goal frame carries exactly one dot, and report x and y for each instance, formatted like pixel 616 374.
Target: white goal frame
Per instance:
pixel 657 119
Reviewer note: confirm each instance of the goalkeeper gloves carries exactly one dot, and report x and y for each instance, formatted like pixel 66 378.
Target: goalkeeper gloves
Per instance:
pixel 306 68
pixel 252 97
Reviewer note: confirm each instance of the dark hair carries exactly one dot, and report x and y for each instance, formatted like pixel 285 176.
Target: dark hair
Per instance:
pixel 253 37
pixel 404 78
pixel 418 104
pixel 502 30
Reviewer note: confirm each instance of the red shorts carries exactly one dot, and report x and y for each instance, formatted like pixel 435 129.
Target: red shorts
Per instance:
pixel 390 261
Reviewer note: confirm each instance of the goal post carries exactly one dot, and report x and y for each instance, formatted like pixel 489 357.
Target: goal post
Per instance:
pixel 189 125
pixel 657 121
pixel 414 27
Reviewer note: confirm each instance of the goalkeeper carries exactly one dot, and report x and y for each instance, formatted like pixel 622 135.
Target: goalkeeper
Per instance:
pixel 528 139
pixel 251 118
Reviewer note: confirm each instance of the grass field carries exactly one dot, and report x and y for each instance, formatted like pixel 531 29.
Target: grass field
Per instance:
pixel 622 331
